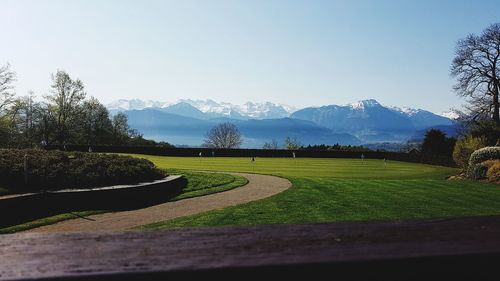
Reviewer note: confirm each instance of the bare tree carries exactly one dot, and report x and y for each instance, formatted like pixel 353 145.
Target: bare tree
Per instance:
pixel 224 135
pixel 7 77
pixel 292 143
pixel 271 145
pixel 476 67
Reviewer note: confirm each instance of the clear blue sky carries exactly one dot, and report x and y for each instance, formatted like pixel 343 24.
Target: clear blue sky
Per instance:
pixel 300 53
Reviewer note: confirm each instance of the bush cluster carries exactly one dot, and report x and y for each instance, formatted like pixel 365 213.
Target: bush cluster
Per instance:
pixel 493 173
pixel 484 163
pixel 464 147
pixel 52 170
pixel 477 171
pixel 483 154
pixel 488 170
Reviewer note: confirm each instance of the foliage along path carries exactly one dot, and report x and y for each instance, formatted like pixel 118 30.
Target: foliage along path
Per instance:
pixel 258 187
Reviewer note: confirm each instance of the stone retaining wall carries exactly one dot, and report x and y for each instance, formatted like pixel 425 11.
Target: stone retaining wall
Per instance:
pixel 24 208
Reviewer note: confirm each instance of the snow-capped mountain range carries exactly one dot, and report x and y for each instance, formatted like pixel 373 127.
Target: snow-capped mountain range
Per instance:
pixel 134 104
pixel 210 108
pixel 186 121
pixel 249 110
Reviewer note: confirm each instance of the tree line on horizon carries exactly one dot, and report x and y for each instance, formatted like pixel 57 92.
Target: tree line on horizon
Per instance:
pixel 64 116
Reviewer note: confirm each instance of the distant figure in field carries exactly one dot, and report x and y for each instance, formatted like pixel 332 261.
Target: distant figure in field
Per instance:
pixel 293 154
pixel 199 154
pixel 253 159
pixel 90 149
pixel 362 157
pixel 385 163
pixel 213 153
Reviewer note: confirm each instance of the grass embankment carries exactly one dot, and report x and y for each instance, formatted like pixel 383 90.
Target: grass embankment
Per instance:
pixel 327 190
pixel 198 184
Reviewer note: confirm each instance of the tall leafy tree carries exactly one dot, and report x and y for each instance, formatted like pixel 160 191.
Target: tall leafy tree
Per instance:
pixel 437 148
pixel 121 129
pixel 65 102
pixel 65 117
pixel 46 123
pixel 24 120
pixel 7 77
pixel 96 125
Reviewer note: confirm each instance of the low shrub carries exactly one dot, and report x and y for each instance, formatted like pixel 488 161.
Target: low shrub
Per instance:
pixel 49 170
pixel 477 171
pixel 493 173
pixel 484 154
pixel 490 163
pixel 464 147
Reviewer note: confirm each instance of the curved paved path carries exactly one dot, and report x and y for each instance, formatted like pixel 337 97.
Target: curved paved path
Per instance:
pixel 258 187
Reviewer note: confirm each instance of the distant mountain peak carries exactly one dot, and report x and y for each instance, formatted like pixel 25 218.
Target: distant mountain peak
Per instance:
pixel 451 114
pixel 125 104
pixel 371 121
pixel 407 110
pixel 362 104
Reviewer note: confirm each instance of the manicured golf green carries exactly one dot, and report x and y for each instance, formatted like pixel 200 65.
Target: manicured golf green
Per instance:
pixel 326 190
pixel 308 167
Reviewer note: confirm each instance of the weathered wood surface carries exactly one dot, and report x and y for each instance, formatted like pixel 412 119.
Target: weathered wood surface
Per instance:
pixel 466 248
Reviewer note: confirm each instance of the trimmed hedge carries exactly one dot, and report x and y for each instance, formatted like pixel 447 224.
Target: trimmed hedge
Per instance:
pixel 477 169
pixel 483 154
pixel 52 170
pixel 208 152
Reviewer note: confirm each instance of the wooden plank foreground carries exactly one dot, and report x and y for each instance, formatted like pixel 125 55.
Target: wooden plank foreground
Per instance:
pixel 467 248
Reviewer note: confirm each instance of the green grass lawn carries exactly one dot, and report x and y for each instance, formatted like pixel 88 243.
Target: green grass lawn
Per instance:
pixel 200 184
pixel 308 167
pixel 326 190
